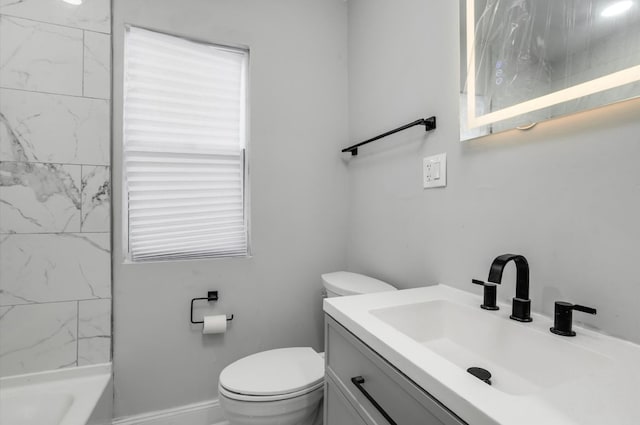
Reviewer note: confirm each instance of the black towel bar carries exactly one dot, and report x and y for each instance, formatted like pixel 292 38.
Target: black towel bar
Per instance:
pixel 429 124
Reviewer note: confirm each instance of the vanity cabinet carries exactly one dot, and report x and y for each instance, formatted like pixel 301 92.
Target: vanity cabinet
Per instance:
pixel 362 388
pixel 341 411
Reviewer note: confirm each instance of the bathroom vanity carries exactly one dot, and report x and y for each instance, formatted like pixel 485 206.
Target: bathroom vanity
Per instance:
pixel 403 358
pixel 362 388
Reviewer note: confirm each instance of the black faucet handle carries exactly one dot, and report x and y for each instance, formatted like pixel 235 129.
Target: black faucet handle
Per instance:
pixel 490 295
pixel 584 309
pixel 563 317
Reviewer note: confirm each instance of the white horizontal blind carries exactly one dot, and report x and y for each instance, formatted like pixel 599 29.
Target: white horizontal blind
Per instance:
pixel 184 144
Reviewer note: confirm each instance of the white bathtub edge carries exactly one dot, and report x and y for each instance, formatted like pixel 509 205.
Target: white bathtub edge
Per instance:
pixel 84 386
pixel 55 375
pixel 202 413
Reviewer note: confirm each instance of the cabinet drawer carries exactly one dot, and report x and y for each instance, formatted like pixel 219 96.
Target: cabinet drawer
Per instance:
pixel 341 411
pixel 383 393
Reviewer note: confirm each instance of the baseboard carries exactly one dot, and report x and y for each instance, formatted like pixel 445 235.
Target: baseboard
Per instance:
pixel 203 413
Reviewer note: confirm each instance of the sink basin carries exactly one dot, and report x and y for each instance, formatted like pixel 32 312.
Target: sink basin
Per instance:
pixel 521 360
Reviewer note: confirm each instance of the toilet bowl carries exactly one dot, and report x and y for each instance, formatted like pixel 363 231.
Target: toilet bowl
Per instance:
pixel 285 386
pixel 296 411
pixel 275 387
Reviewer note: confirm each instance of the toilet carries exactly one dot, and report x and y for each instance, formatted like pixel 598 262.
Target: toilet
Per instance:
pixel 285 386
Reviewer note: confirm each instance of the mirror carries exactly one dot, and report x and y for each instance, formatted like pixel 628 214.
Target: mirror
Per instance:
pixel 526 61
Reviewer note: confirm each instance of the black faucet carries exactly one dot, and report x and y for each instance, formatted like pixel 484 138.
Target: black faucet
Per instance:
pixel 521 307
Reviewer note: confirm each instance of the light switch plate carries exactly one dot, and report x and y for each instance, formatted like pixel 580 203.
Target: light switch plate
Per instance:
pixel 434 171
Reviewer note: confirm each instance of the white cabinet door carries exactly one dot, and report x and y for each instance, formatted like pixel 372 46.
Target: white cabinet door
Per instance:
pixel 337 410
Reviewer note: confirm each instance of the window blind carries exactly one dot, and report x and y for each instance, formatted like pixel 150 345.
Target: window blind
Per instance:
pixel 184 148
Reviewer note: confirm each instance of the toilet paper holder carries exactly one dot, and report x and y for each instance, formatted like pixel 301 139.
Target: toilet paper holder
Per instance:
pixel 211 296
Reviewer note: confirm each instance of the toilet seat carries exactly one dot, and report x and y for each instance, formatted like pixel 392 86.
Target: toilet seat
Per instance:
pixel 262 398
pixel 273 375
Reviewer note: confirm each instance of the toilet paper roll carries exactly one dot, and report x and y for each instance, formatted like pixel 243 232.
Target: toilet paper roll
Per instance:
pixel 215 324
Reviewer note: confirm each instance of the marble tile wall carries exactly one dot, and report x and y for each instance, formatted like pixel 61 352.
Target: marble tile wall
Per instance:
pixel 55 254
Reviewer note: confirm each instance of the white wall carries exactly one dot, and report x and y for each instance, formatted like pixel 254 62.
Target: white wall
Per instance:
pixel 566 194
pixel 298 108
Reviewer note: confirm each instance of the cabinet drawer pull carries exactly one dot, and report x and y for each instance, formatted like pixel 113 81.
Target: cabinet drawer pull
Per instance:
pixel 358 381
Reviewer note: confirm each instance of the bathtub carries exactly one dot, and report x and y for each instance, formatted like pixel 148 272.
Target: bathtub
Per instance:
pixel 74 396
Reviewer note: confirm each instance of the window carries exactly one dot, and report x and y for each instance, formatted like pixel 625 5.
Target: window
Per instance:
pixel 184 148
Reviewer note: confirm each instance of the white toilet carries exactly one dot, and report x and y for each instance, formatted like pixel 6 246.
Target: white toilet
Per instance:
pixel 285 386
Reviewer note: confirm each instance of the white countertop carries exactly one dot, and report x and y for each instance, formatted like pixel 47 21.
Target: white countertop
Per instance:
pixel 601 396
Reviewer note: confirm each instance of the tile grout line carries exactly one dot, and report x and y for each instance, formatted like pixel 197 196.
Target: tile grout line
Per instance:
pixel 55 302
pixel 81 196
pixel 78 333
pixel 55 233
pixel 53 163
pixel 52 23
pixel 80 96
pixel 84 49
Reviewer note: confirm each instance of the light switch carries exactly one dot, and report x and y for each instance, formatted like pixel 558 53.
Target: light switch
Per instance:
pixel 435 171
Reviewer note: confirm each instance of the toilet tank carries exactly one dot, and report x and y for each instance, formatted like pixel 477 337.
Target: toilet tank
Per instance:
pixel 339 284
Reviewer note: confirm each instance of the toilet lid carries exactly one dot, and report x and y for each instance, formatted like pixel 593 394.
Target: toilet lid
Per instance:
pixel 347 283
pixel 274 372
